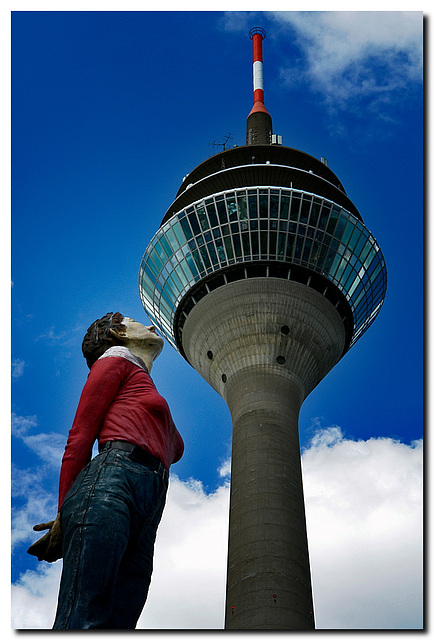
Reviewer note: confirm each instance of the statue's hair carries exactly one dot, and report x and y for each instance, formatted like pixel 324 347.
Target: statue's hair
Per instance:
pixel 99 338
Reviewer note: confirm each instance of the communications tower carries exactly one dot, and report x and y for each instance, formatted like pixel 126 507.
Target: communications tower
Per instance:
pixel 262 275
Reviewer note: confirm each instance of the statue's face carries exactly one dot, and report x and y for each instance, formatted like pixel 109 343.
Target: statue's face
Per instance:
pixel 144 337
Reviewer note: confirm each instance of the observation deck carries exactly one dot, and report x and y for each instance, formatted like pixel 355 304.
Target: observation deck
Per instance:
pixel 262 211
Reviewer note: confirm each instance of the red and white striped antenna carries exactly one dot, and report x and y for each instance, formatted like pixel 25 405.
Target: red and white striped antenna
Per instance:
pixel 257 34
pixel 259 124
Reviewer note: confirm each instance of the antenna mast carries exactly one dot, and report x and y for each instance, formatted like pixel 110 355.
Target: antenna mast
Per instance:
pixel 259 124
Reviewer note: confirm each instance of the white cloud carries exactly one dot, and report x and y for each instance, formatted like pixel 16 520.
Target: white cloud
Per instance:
pixel 224 470
pixel 363 505
pixel 48 446
pixel 34 597
pixel 18 368
pixel 20 425
pixel 364 518
pixel 351 55
pixel 29 485
pixel 189 582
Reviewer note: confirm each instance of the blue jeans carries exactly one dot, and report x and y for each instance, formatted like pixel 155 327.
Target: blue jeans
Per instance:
pixel 109 521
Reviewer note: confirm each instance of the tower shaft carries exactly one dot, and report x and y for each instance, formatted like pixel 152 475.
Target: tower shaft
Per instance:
pixel 271 342
pixel 268 577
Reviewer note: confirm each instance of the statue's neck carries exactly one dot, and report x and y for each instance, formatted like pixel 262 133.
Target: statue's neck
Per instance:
pixel 145 354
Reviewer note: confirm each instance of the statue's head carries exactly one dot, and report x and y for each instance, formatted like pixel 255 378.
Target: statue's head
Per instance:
pixel 115 329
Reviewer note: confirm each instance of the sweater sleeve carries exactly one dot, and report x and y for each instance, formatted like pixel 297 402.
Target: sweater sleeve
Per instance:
pixel 102 385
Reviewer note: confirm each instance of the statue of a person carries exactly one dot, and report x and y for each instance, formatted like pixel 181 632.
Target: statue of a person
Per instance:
pixel 110 506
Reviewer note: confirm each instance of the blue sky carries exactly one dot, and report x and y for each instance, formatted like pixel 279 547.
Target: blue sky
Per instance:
pixel 110 110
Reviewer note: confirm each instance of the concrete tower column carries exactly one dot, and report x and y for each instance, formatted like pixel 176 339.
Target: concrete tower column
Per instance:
pixel 268 581
pixel 264 344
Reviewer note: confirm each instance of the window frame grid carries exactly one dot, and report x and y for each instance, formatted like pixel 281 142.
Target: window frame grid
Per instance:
pixel 310 241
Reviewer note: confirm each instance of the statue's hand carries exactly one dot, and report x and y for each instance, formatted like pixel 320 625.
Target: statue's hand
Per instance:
pixel 49 547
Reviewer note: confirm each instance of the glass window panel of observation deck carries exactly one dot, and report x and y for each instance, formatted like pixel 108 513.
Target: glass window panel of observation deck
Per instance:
pixel 205 257
pixel 347 278
pixel 160 251
pixel 221 211
pixel 192 266
pixel 255 243
pixel 335 265
pixel 202 217
pixel 339 271
pixel 360 244
pixel 314 212
pixel 213 254
pixel 147 284
pixel 324 215
pixel 253 204
pixel 164 243
pixel 281 243
pixel 152 268
pixel 376 272
pixel 328 261
pixel 284 205
pixel 373 265
pixel 306 251
pixel 246 244
pixel 171 238
pixel 354 238
pixel 194 223
pixel 242 205
pixel 370 257
pixel 180 272
pixel 322 256
pixel 186 228
pixel 167 295
pixel 272 245
pixel 305 208
pixel 347 231
pixel 274 206
pixel 212 213
pixel 154 258
pixel 263 203
pixel 180 236
pixel 290 242
pixel 174 283
pixel 333 220
pixel 221 251
pixel 228 247
pixel 354 286
pixel 231 208
pixel 198 262
pixel 358 299
pixel 298 248
pixel 166 311
pixel 237 245
pixel 341 224
pixel 315 254
pixel 364 252
pixel 295 207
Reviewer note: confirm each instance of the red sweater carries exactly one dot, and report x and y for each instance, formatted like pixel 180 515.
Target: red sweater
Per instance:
pixel 119 402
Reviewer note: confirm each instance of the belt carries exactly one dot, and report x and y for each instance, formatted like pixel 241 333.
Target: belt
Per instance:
pixel 139 455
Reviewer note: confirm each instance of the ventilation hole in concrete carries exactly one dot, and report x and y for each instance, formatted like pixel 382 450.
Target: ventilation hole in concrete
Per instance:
pixel 280 360
pixel 209 354
pixel 284 329
pixel 224 378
